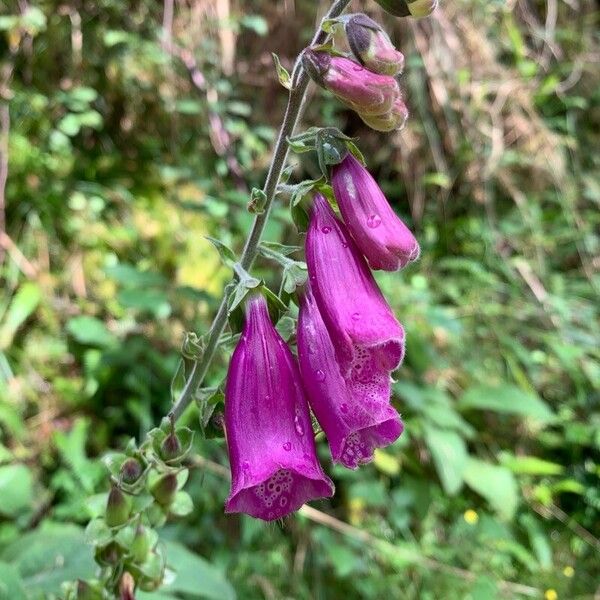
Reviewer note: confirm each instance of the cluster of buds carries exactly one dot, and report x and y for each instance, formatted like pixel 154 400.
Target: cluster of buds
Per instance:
pixel 348 345
pixel 367 83
pixel 145 488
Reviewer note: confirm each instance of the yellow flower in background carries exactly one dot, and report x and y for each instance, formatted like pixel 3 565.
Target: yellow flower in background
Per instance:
pixel 551 594
pixel 568 571
pixel 471 517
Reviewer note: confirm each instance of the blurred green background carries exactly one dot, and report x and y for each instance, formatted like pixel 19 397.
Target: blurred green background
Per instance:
pixel 132 133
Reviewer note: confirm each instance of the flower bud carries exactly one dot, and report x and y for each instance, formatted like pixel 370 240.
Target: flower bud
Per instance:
pixel 164 489
pixel 379 233
pixel 372 47
pixel 409 8
pixel 170 449
pixel 86 592
pixel 117 508
pixel 393 120
pixel 140 545
pixel 365 92
pixel 131 470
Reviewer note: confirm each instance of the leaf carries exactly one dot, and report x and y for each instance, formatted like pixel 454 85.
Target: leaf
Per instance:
pixel 195 576
pixel 16 490
pixel 11 584
pixel 496 484
pixel 507 399
pixel 46 557
pixel 23 304
pixel 282 73
pixel 225 252
pixel 530 465
pixel 182 505
pixel 91 332
pixel 449 454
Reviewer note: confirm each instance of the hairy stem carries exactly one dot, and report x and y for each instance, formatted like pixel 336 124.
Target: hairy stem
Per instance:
pixel 280 153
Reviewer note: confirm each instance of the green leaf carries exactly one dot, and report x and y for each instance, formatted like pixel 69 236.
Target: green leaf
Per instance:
pixel 11 584
pixel 47 556
pixel 449 454
pixel 23 304
pixel 282 73
pixel 91 332
pixel 496 484
pixel 530 465
pixel 195 576
pixel 16 490
pixel 507 399
pixel 225 252
pixel 182 505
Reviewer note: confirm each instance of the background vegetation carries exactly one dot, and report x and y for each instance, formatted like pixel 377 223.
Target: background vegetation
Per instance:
pixel 132 133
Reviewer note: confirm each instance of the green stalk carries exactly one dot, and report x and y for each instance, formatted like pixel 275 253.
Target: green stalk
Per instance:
pixel 292 113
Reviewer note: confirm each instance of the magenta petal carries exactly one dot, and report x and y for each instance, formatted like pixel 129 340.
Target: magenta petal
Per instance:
pixel 361 324
pixel 383 238
pixel 274 466
pixel 355 413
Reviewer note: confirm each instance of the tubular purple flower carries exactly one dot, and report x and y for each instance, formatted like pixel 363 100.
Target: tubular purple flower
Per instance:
pixel 372 46
pixel 380 234
pixel 393 120
pixel 365 92
pixel 274 466
pixel 354 412
pixel 361 324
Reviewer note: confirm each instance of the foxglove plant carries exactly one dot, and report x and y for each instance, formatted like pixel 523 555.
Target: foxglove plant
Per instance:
pixel 274 466
pixel 354 410
pixel 382 237
pixel 349 341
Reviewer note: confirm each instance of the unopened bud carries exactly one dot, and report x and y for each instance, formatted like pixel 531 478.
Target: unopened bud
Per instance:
pixel 127 587
pixel 170 448
pixel 391 121
pixel 372 46
pixel 362 90
pixel 86 592
pixel 117 508
pixel 408 8
pixel 164 489
pixel 131 470
pixel 140 545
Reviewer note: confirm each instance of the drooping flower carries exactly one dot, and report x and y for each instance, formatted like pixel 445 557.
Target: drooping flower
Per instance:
pixel 393 120
pixel 409 8
pixel 274 466
pixel 380 234
pixel 362 326
pixel 365 92
pixel 372 46
pixel 354 411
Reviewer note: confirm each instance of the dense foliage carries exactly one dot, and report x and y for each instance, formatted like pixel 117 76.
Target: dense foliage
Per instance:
pixel 132 134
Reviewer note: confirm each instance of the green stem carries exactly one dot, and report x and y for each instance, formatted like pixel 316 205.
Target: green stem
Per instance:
pixel 292 112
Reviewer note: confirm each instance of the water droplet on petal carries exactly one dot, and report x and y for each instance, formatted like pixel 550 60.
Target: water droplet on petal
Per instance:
pixel 298 425
pixel 246 466
pixel 287 446
pixel 326 229
pixel 344 407
pixel 373 221
pixel 356 316
pixel 319 375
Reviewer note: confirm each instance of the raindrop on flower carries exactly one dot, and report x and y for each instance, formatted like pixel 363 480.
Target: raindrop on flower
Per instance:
pixel 326 229
pixel 373 221
pixel 344 407
pixel 356 316
pixel 298 425
pixel 287 446
pixel 319 375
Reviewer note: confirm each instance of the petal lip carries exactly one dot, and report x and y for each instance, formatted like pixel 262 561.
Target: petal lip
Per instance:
pixel 384 239
pixel 268 425
pixel 280 493
pixel 353 308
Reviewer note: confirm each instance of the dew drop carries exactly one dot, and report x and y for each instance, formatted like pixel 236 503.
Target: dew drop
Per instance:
pixel 319 375
pixel 356 316
pixel 326 229
pixel 287 446
pixel 298 425
pixel 373 221
pixel 246 466
pixel 344 407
